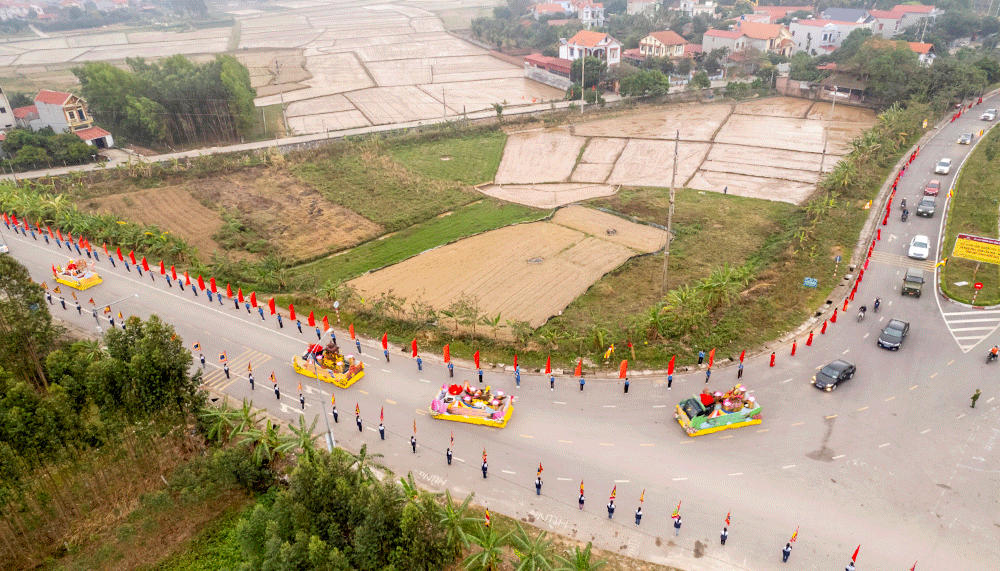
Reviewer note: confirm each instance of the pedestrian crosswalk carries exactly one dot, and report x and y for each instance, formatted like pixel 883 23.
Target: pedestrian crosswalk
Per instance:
pixel 215 377
pixel 971 326
pixel 902 261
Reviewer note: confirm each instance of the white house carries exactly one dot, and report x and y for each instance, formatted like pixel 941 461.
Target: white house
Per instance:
pixel 662 44
pixel 913 14
pixel 732 40
pixel 816 37
pixel 645 7
pixel 885 22
pixel 65 112
pixel 7 119
pixel 594 44
pixel 694 8
pixel 925 53
pixel 590 13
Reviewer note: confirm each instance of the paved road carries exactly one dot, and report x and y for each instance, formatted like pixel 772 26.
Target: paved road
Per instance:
pixel 895 460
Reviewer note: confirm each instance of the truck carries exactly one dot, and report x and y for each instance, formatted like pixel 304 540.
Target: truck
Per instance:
pixel 711 412
pixel 913 282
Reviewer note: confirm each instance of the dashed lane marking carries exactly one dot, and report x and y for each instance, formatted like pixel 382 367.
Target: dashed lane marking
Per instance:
pixel 605 444
pixel 913 387
pixel 622 481
pixel 950 362
pixel 563 479
pixel 421 412
pixel 883 445
pixel 788 466
pixel 566 441
pixel 889 399
pixel 862 408
pixel 424 381
pixel 725 437
pixel 651 444
pixel 831 416
pixel 362 392
pixel 390 401
pixel 386 371
pixel 660 406
pixel 786 381
pixel 508 472
pixel 610 406
pixel 525 436
pixel 763 430
pixel 838 457
pixel 934 375
pixel 737 474
pixel 960 416
pixel 925 431
pixel 557 402
pixel 845 351
pixel 990 400
pixel 679 479
pixel 798 423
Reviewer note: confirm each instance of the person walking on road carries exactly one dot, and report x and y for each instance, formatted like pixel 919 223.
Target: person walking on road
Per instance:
pixel 225 369
pixel 202 358
pixel 850 566
pixel 319 333
pixel 381 431
pixel 277 392
pixel 626 385
pixel 786 552
pixel 485 468
pixel 739 372
pixel 677 526
pixel 611 509
pixel 638 515
pixel 552 383
pixel 62 301
pixel 260 310
pixel 724 536
pixel 538 486
pixel 247 304
pixel 79 308
pixel 480 376
pixel 448 453
pixel 517 376
pixel 298 323
pixel 250 376
pixel 302 401
pixel 708 374
pixel 336 417
pixel 582 500
pixel 701 357
pixel 358 420
pixel 975 397
pixel 582 382
pixel 413 443
pixel 48 297
pixel 670 382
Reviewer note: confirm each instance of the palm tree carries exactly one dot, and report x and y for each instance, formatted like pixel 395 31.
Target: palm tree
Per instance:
pixel 264 442
pixel 491 543
pixel 579 560
pixel 244 419
pixel 409 487
pixel 219 421
pixel 454 521
pixel 362 469
pixel 531 553
pixel 91 349
pixel 301 438
pixel 492 322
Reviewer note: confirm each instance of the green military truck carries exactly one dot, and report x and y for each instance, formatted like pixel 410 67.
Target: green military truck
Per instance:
pixel 913 282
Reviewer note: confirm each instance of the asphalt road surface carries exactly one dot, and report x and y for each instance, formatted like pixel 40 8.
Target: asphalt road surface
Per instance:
pixel 895 461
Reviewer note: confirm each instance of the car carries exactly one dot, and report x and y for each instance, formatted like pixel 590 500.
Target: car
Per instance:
pixel 913 282
pixel 893 335
pixel 965 139
pixel 933 187
pixel 4 249
pixel 989 115
pixel 830 376
pixel 926 206
pixel 920 247
pixel 943 167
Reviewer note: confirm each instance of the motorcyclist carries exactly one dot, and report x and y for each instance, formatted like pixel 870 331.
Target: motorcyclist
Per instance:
pixel 902 204
pixel 995 351
pixel 861 312
pixel 878 302
pixel 906 213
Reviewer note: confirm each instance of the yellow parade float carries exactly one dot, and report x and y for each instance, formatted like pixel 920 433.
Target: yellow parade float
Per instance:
pixel 475 406
pixel 329 365
pixel 76 275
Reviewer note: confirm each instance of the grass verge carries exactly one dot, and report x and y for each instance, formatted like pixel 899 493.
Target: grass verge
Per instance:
pixel 975 209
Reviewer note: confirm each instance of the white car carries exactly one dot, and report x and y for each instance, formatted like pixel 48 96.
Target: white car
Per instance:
pixel 943 167
pixel 989 115
pixel 3 248
pixel 920 247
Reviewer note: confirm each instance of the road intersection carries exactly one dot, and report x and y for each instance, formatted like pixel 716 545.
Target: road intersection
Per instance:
pixel 895 460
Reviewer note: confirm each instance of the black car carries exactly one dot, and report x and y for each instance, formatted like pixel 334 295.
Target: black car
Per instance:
pixel 892 336
pixel 833 374
pixel 926 206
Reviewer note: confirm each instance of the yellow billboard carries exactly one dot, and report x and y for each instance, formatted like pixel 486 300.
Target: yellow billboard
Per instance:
pixel 977 248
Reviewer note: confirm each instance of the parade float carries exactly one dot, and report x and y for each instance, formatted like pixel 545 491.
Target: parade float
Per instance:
pixel 329 365
pixel 462 403
pixel 714 411
pixel 76 275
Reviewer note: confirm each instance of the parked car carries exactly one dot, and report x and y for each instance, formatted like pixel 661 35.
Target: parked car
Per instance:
pixel 943 167
pixel 989 115
pixel 913 282
pixel 893 335
pixel 833 374
pixel 965 139
pixel 933 187
pixel 920 247
pixel 926 206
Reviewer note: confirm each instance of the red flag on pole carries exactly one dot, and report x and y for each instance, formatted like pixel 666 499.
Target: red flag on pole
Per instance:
pixel 229 287
pixel 475 358
pixel 270 305
pixel 201 283
pixel 642 496
pixel 854 558
pixel 239 295
pixel 131 256
pixel 447 354
pixel 253 299
pixel 103 244
pixel 350 329
pixel 914 568
pixel 579 368
pixel 173 273
pixel 581 487
pixel 623 369
pixel 614 492
pixel 385 341
pixel 381 414
pixel 670 365
pixel 291 311
pixel 145 265
pixel 727 518
pixel 413 345
pixel 677 512
pixel 711 358
pixel 118 250
pixel 326 323
pixel 794 536
pixel 548 365
pixel 163 270
pixel 743 354
pixel 312 319
pixel 187 278
pixel 69 238
pixel 211 284
pixel 539 469
pixel 487 517
pixel 515 360
pixel 357 409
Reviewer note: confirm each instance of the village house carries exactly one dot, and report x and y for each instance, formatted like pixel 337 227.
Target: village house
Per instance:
pixel 767 38
pixel 890 23
pixel 12 9
pixel 588 12
pixel 65 112
pixel 662 44
pixel 23 116
pixel 817 37
pixel 594 44
pixel 925 53
pixel 775 13
pixel 692 8
pixel 732 40
pixel 856 15
pixel 539 10
pixel 7 118
pixel 642 7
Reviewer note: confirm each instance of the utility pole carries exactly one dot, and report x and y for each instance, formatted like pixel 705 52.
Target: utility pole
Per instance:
pixel 826 131
pixel 583 81
pixel 281 92
pixel 331 443
pixel 670 215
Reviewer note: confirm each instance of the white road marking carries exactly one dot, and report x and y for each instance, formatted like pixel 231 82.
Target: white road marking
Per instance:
pixel 950 362
pixel 605 444
pixel 788 466
pixel 837 457
pixel 679 479
pixel 508 472
pixel 883 445
pixel 622 481
pixel 889 399
pixel 960 416
pixel 798 423
pixel 737 474
pixel 386 371
pixel 460 460
pixel 934 375
pixel 566 441
pixel 726 436
pixel 423 381
pixel 525 436
pixel 845 351
pixel 563 479
pixel 990 400
pixel 660 406
pixel 831 416
pixel 557 402
pixel 390 401
pixel 866 335
pixel 362 392
pixel 913 387
pixel 862 408
pixel 610 406
pixel 971 327
pixel 925 431
pixel 785 381
pixel 763 430
pixel 651 444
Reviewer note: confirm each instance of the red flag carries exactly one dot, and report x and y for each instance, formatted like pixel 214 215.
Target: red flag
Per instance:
pixel 614 492
pixel 350 329
pixel 670 365
pixel 677 512
pixel 54 272
pixel 642 496
pixel 187 278
pixel 163 270
pixel 105 245
pixel 229 287
pixel 312 319
pixel 291 311
pixel 253 299
pixel 211 284
pixel 69 238
pixel 145 265
pixel 623 369
pixel 487 517
pixel 581 487
pixel 326 323
pixel 743 354
pixel 414 426
pixel 727 518
pixel 201 283
pixel 579 368
pixel 58 233
pixel 173 272
pixel 357 409
pixel 539 469
pixel 381 415
pixel 385 341
pixel 270 305
pixel 14 217
pixel 711 358
pixel 239 295
pixel 854 558
pixel 794 536
pixel 447 354
pixel 5 219
pixel 118 250
pixel 515 360
pixel 413 345
pixel 548 365
pixel 131 256
pixel 475 358
pixel 914 568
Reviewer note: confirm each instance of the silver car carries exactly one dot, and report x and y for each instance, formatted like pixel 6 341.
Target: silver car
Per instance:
pixel 943 167
pixel 920 247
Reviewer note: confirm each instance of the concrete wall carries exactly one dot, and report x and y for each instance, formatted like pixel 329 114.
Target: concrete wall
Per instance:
pixel 542 76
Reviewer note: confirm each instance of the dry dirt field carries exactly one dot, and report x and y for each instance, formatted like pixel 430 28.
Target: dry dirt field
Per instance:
pixel 771 148
pixel 527 272
pixel 299 221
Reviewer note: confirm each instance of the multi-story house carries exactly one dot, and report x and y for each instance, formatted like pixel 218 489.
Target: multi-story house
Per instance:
pixel 594 44
pixel 662 44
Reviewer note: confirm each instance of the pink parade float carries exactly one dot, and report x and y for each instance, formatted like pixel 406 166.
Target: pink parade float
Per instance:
pixel 475 406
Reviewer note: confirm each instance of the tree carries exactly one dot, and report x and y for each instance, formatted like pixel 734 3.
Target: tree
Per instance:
pixel 26 331
pixel 532 553
pixel 301 439
pixel 454 522
pixel 645 82
pixel 699 81
pixel 362 467
pixel 499 107
pixel 891 67
pixel 579 560
pixel 595 69
pixel 491 549
pixel 850 46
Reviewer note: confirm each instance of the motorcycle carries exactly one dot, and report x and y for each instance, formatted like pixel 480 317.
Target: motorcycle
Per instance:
pixel 906 214
pixel 902 204
pixel 861 313
pixel 878 302
pixel 990 357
